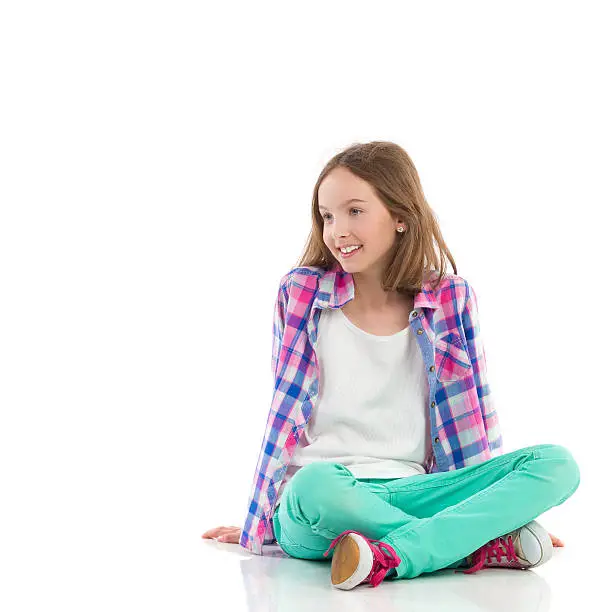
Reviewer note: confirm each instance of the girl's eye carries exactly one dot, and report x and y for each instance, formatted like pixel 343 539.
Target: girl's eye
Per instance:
pixel 325 215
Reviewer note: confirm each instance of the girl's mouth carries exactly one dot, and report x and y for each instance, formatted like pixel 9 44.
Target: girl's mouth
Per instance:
pixel 347 255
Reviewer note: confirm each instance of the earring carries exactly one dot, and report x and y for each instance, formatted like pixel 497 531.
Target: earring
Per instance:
pixel 400 229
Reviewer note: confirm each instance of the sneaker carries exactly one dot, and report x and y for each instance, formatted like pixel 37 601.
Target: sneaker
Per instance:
pixel 525 547
pixel 358 559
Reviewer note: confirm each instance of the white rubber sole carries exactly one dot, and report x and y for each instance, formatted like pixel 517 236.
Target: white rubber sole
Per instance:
pixel 352 556
pixel 536 544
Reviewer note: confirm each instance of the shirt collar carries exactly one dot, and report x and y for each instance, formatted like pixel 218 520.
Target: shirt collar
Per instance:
pixel 336 288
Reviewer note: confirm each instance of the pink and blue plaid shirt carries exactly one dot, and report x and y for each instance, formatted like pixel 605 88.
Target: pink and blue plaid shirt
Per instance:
pixel 464 426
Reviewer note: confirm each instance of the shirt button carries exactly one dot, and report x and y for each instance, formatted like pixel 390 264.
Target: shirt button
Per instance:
pixel 431 368
pixel 414 313
pixel 437 440
pixel 433 404
pixel 420 331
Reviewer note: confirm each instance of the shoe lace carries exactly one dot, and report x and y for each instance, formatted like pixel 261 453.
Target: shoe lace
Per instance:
pixel 383 562
pixel 498 547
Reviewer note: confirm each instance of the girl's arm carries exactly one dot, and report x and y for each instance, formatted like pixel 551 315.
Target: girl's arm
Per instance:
pixel 278 324
pixel 475 347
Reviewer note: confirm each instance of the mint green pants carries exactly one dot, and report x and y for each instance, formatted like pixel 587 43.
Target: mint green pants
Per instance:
pixel 433 521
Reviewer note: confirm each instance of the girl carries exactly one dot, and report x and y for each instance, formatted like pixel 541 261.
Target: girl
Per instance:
pixel 382 449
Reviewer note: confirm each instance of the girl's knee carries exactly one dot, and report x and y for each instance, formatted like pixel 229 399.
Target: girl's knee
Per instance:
pixel 568 471
pixel 311 480
pixel 316 472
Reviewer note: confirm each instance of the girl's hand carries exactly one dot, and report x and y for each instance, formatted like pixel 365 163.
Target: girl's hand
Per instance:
pixel 556 541
pixel 231 535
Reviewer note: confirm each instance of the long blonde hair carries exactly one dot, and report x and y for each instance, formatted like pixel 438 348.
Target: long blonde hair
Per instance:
pixel 389 170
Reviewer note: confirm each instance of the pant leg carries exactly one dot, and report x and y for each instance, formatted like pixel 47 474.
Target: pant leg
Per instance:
pixel 454 513
pixel 323 499
pixel 433 521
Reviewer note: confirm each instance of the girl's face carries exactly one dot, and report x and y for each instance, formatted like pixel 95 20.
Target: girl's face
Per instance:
pixel 353 215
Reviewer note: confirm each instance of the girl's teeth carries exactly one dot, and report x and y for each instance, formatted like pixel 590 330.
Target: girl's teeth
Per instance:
pixel 351 252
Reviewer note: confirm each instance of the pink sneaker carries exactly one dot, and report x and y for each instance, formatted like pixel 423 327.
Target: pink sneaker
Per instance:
pixel 525 547
pixel 357 560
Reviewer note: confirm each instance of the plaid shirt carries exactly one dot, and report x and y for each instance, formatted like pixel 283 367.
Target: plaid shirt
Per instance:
pixel 464 426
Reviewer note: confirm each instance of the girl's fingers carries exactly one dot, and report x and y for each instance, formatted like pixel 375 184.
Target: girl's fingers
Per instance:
pixel 212 533
pixel 556 541
pixel 217 532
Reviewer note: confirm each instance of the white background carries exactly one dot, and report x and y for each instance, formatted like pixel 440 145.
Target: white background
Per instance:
pixel 157 167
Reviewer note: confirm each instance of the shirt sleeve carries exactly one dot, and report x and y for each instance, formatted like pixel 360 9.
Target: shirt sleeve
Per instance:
pixel 471 326
pixel 278 325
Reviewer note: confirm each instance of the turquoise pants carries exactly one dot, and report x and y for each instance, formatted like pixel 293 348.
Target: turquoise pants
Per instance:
pixel 433 521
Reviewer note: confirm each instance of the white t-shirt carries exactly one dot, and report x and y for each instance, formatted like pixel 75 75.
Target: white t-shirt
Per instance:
pixel 371 409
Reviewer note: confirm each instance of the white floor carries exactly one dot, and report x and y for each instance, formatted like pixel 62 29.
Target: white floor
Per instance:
pixel 144 553
pixel 267 584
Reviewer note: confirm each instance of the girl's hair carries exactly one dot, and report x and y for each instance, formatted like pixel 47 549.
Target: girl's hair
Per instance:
pixel 389 170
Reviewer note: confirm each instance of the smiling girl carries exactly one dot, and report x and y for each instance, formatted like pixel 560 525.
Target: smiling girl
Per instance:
pixel 382 448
